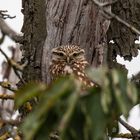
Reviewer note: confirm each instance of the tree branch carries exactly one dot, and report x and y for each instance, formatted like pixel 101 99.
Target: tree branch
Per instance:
pixel 126 135
pixel 5 29
pixel 4 15
pixel 102 7
pixel 135 133
pixel 127 126
pixel 2 38
pixel 7 96
pixel 12 62
pixel 8 86
pixel 16 67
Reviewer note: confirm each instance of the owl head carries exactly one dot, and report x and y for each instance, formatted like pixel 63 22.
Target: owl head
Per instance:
pixel 68 54
pixel 67 60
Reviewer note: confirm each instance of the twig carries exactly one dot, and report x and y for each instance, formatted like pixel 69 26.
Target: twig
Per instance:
pixel 7 85
pixel 9 32
pixel 18 75
pixel 102 7
pixel 12 62
pixel 16 67
pixel 6 96
pixel 126 135
pixel 135 133
pixel 4 15
pixel 127 126
pixel 2 38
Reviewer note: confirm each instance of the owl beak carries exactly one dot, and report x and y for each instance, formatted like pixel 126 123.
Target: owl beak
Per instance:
pixel 68 59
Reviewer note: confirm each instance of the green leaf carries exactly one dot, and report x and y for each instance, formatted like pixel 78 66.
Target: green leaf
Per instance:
pixel 96 118
pixel 27 92
pixel 132 92
pixel 72 102
pixel 98 75
pixel 49 99
pixel 106 96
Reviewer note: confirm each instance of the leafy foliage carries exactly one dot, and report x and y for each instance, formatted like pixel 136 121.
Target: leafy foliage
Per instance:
pixel 64 110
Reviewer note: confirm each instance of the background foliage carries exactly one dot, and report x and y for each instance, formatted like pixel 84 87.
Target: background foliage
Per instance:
pixel 62 109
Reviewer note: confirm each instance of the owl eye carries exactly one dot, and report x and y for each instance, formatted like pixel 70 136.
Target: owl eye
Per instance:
pixel 60 54
pixel 75 54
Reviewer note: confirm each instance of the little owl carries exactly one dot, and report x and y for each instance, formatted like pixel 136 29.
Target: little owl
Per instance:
pixel 70 59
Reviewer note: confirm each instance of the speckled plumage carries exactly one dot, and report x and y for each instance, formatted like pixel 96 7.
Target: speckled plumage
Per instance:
pixel 70 59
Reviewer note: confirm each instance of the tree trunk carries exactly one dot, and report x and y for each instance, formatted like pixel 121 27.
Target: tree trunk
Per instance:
pixel 48 24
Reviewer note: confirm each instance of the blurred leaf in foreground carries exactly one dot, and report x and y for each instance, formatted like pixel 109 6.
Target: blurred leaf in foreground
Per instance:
pixel 48 100
pixel 27 92
pixel 63 109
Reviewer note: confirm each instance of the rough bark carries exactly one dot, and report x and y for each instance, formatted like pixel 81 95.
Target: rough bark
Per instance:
pixel 34 29
pixel 76 22
pixel 123 37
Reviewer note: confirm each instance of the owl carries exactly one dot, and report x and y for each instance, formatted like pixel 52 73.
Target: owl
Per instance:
pixel 67 60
